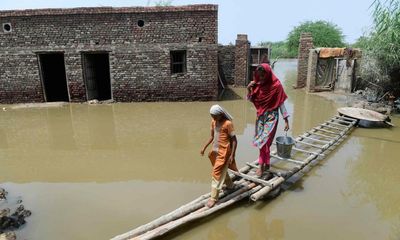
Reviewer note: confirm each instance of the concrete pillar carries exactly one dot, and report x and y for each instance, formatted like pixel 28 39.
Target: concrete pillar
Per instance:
pixel 242 58
pixel 306 43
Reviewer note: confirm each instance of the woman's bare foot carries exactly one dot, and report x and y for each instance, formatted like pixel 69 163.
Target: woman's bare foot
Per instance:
pixel 211 202
pixel 260 170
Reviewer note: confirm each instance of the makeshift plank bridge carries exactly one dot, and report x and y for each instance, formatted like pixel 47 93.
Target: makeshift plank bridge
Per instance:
pixel 310 146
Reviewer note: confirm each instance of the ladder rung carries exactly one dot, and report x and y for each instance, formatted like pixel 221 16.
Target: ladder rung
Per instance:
pixel 338 120
pixel 322 135
pixel 314 139
pixel 347 119
pixel 335 128
pixel 287 159
pixel 309 152
pixel 327 131
pixel 250 178
pixel 310 144
pixel 337 124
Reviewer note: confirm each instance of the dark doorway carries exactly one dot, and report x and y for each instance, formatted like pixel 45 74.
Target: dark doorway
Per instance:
pixel 54 79
pixel 96 72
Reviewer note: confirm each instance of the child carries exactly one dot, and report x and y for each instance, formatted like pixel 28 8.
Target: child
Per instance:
pixel 222 154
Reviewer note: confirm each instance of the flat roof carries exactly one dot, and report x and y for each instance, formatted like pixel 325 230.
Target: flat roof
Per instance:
pixel 105 10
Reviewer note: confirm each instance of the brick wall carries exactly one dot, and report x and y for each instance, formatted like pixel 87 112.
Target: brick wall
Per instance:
pixel 242 55
pixel 139 56
pixel 306 43
pixel 226 63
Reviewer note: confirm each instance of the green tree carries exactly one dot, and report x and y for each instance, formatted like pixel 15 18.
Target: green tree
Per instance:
pixel 325 34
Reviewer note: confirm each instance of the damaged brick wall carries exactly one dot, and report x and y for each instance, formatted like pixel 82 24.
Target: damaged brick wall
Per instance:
pixel 242 58
pixel 139 56
pixel 226 62
pixel 306 43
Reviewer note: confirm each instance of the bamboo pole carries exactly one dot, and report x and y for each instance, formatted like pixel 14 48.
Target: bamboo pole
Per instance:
pixel 265 190
pixel 248 177
pixel 182 211
pixel 157 232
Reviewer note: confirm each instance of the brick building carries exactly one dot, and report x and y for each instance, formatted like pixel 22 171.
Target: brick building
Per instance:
pixel 125 54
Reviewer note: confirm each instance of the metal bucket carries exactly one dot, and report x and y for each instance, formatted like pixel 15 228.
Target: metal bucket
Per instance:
pixel 284 146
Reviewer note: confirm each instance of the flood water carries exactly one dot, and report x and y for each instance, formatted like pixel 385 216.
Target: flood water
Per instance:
pixel 96 171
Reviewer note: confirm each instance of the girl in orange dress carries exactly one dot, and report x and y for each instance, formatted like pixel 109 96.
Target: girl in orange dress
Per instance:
pixel 222 154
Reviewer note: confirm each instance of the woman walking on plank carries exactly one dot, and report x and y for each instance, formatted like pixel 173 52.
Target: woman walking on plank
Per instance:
pixel 267 95
pixel 222 154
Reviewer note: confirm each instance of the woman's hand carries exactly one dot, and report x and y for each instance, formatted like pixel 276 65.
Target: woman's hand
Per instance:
pixel 251 84
pixel 231 159
pixel 202 152
pixel 286 125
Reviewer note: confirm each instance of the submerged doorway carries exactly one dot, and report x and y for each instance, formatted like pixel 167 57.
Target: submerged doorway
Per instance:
pixel 96 73
pixel 54 79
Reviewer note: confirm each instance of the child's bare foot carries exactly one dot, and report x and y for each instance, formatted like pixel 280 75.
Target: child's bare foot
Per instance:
pixel 211 202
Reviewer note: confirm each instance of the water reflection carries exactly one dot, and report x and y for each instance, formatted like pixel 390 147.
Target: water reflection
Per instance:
pixel 375 170
pixel 59 125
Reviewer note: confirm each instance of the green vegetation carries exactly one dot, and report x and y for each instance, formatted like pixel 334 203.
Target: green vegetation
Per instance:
pixel 381 47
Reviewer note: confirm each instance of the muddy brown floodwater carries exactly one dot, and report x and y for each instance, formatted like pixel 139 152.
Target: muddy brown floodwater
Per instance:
pixel 96 171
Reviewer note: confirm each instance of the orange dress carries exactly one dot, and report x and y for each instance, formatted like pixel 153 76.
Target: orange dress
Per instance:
pixel 221 148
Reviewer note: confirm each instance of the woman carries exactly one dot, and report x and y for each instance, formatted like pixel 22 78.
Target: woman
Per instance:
pixel 267 94
pixel 222 154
